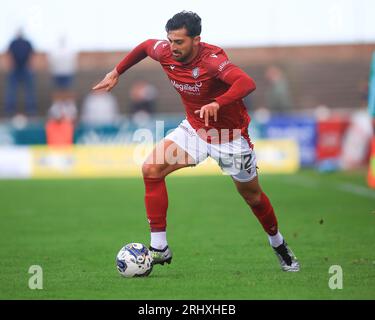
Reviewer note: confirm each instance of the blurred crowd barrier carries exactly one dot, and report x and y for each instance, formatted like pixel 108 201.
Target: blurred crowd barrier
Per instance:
pixel 94 161
pixel 283 143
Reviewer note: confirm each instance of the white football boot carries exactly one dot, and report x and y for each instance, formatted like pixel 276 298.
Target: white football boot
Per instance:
pixel 161 256
pixel 288 261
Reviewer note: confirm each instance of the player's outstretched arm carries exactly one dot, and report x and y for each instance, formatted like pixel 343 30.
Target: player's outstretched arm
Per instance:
pixel 109 81
pixel 146 48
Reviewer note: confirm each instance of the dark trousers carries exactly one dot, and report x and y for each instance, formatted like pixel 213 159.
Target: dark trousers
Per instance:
pixel 15 78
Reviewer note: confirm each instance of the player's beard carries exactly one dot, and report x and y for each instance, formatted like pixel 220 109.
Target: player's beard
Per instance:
pixel 183 57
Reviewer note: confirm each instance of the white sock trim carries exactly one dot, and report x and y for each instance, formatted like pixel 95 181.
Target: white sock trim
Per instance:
pixel 159 240
pixel 276 240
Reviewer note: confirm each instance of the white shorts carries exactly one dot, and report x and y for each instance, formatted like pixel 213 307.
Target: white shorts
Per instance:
pixel 235 158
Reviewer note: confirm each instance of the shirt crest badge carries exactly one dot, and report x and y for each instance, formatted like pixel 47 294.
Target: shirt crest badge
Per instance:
pixel 195 73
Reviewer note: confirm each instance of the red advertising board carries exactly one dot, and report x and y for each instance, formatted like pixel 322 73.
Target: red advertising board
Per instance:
pixel 330 135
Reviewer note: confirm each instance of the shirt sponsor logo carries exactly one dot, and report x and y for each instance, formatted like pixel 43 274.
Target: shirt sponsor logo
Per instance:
pixel 195 73
pixel 223 65
pixel 188 88
pixel 172 67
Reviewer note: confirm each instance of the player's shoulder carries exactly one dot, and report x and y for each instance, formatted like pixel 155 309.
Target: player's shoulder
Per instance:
pixel 213 57
pixel 158 43
pixel 212 53
pixel 158 48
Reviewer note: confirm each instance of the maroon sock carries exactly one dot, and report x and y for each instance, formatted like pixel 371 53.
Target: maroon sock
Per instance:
pixel 156 202
pixel 265 214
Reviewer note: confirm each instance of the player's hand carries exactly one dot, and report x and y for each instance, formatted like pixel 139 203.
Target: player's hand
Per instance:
pixel 209 110
pixel 109 81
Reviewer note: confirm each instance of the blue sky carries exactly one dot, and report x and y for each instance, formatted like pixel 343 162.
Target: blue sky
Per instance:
pixel 120 24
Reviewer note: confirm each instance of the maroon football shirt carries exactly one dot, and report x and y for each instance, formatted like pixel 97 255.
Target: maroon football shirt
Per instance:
pixel 201 81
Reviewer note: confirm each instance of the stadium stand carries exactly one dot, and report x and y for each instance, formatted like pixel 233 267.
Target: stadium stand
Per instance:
pixel 318 75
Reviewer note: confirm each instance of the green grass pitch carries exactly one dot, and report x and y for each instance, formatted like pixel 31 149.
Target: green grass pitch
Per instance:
pixel 74 228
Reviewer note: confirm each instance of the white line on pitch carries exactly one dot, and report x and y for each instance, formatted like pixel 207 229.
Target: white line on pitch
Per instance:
pixel 344 187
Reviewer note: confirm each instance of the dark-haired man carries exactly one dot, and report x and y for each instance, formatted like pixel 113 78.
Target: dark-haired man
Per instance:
pixel 20 53
pixel 212 89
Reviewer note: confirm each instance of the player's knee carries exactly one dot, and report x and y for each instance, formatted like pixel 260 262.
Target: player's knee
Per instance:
pixel 151 171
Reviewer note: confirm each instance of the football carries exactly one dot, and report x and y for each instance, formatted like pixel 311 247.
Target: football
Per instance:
pixel 134 260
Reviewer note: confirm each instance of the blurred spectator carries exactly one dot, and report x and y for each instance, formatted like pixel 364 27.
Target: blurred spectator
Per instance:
pixel 143 97
pixel 61 118
pixel 20 53
pixel 63 64
pixel 100 108
pixel 63 107
pixel 277 95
